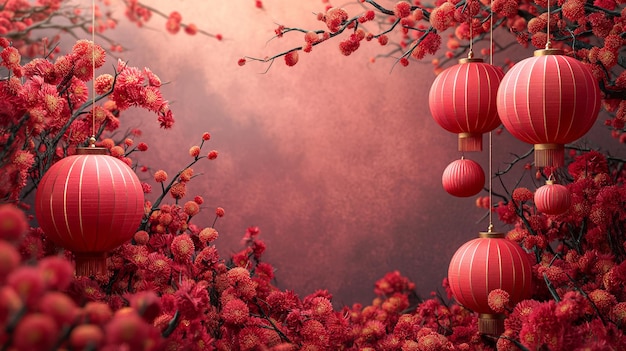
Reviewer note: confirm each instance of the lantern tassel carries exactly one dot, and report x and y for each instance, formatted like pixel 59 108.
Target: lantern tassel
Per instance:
pixel 491 324
pixel 549 155
pixel 470 142
pixel 90 264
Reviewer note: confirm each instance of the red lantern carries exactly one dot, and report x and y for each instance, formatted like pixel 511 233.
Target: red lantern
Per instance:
pixel 548 100
pixel 463 178
pixel 484 264
pixel 462 100
pixel 552 198
pixel 89 203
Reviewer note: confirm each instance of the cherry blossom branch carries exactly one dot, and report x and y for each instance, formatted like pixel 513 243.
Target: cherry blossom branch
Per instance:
pixel 183 25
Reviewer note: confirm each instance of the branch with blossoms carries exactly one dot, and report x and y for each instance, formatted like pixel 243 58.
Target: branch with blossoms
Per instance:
pixel 591 33
pixel 177 186
pixel 140 13
pixel 30 25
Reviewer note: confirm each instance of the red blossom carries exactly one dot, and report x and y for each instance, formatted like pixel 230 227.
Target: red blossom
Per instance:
pixel 402 9
pixel 28 283
pixel 60 307
pixel 57 272
pixel 235 312
pixel 208 235
pixel 191 208
pixel 142 147
pixel 85 336
pixel 191 29
pixel 182 248
pixel 334 18
pixel 141 237
pixel 166 119
pixel 35 331
pixel 194 151
pixel 13 223
pixel 441 18
pixel 498 300
pixel 9 260
pixel 522 195
pixel 160 176
pixel 291 58
pixel 127 328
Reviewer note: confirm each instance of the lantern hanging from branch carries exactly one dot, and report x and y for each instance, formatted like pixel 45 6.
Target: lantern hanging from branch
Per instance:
pixel 548 100
pixel 89 203
pixel 462 100
pixel 463 178
pixel 484 264
pixel 552 198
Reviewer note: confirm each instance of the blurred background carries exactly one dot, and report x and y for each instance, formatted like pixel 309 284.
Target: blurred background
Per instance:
pixel 336 159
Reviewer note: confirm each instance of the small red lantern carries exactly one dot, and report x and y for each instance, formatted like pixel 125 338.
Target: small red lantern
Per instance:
pixel 89 203
pixel 462 100
pixel 463 178
pixel 548 100
pixel 553 198
pixel 484 264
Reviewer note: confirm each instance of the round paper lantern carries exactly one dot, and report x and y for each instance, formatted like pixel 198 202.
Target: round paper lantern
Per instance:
pixel 462 100
pixel 548 100
pixel 484 264
pixel 89 203
pixel 552 198
pixel 463 178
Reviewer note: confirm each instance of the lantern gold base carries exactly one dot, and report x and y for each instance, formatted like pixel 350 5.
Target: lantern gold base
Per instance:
pixel 491 324
pixel 549 155
pixel 470 142
pixel 90 264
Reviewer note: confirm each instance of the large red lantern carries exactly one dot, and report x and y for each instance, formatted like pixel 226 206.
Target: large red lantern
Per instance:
pixel 548 100
pixel 89 203
pixel 552 198
pixel 484 264
pixel 462 100
pixel 463 178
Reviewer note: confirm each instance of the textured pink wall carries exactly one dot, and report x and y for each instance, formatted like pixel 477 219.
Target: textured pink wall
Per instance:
pixel 336 160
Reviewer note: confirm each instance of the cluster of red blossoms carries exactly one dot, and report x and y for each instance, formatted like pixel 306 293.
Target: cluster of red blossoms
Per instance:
pixel 580 265
pixel 46 112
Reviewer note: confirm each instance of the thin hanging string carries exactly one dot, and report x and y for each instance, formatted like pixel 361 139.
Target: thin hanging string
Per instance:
pixel 490 36
pixel 548 44
pixel 470 54
pixel 490 132
pixel 93 71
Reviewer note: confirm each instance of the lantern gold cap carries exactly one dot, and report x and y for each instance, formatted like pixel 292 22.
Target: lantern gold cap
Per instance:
pixel 545 52
pixel 91 151
pixel 490 233
pixel 470 59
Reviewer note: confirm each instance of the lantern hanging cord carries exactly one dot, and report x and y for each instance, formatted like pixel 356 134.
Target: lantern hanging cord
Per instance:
pixel 490 180
pixel 490 38
pixel 490 132
pixel 93 74
pixel 470 54
pixel 548 44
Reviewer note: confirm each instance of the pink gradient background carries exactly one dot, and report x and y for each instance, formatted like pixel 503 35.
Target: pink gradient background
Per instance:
pixel 336 160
